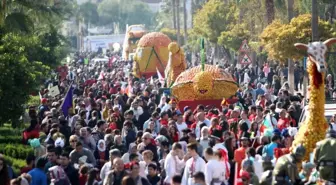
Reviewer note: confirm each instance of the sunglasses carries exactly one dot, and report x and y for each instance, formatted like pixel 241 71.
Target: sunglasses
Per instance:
pixel 73 141
pixel 244 180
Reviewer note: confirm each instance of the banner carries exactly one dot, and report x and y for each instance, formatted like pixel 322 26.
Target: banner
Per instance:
pixel 54 91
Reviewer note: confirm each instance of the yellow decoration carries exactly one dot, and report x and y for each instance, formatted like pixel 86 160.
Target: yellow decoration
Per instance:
pixel 211 84
pixel 203 83
pixel 153 53
pixel 176 63
pixel 315 126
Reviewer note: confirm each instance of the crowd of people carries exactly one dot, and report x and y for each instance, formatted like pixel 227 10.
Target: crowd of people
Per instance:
pixel 124 130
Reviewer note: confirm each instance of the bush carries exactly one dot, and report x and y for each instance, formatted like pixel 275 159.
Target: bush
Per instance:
pixel 16 151
pixel 15 139
pixel 33 100
pixel 16 164
pixel 7 131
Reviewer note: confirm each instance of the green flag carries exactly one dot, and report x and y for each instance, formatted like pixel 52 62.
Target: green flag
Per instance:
pixel 202 54
pixel 86 61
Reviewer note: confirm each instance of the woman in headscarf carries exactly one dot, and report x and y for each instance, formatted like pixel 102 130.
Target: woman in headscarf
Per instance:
pixel 131 150
pixel 101 154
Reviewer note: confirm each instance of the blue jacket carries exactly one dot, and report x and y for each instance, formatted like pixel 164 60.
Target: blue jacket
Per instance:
pixel 268 150
pixel 38 177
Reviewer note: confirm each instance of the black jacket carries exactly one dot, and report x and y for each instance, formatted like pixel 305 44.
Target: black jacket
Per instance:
pixel 72 174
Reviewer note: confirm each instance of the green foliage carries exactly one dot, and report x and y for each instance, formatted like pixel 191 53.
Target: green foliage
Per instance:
pixel 172 34
pixel 89 11
pixel 17 151
pixel 11 139
pixel 16 164
pixel 20 73
pixel 8 131
pixel 214 18
pixel 279 39
pixel 125 12
pixel 233 38
pixel 34 100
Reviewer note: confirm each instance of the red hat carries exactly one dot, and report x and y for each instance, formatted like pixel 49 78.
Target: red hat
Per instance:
pixel 244 174
pixel 44 100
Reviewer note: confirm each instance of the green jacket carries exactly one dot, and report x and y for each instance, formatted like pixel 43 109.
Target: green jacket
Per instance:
pixel 285 171
pixel 325 153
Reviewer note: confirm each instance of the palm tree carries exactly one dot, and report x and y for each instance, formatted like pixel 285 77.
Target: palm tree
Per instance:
pixel 20 15
pixel 174 13
pixel 185 18
pixel 270 13
pixel 290 9
pixel 178 21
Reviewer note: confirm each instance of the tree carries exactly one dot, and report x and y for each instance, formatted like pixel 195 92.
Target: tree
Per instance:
pixel 185 23
pixel 89 12
pixel 125 12
pixel 19 75
pixel 178 25
pixel 279 39
pixel 270 13
pixel 23 15
pixel 214 18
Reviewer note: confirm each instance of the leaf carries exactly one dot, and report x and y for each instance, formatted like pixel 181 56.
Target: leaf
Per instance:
pixel 19 22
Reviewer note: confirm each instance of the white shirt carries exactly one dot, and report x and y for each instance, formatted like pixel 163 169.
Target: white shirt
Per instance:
pixel 193 165
pixel 172 164
pixel 105 170
pixel 215 170
pixel 198 129
pixel 143 169
pixel 180 127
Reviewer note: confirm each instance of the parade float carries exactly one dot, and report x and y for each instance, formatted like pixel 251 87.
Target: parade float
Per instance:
pixel 133 34
pixel 204 84
pixel 315 126
pixel 152 55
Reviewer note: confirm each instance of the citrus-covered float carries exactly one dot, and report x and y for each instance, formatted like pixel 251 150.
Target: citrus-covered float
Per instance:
pixel 152 55
pixel 205 84
pixel 133 34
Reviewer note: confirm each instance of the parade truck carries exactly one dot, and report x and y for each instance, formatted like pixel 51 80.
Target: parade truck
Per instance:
pixel 133 34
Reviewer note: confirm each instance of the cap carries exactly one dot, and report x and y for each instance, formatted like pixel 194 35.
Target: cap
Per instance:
pixel 244 139
pixel 186 108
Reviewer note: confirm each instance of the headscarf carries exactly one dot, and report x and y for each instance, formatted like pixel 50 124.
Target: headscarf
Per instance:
pixel 101 149
pixel 130 147
pixel 59 142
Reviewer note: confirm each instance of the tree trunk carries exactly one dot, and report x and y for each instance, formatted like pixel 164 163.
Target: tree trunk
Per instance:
pixel 290 12
pixel 185 17
pixel 174 13
pixel 178 21
pixel 270 14
pixel 192 12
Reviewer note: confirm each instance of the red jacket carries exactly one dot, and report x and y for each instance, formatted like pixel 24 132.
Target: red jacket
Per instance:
pixel 31 135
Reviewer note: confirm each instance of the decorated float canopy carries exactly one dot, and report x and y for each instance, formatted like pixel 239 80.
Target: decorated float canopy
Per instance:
pixel 208 87
pixel 151 54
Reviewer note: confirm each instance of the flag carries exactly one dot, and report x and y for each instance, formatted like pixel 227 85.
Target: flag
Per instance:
pixel 67 102
pixel 161 79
